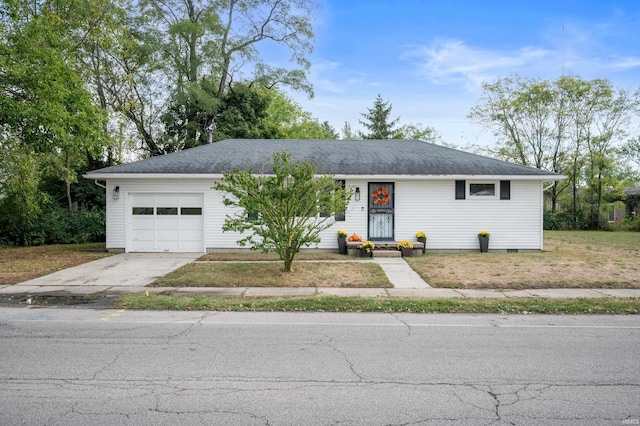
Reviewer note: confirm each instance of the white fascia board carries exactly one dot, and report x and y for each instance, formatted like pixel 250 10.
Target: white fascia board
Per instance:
pixel 103 176
pixel 540 178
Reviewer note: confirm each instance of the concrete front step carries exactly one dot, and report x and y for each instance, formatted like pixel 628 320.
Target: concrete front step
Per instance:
pixel 387 253
pixel 384 245
pixel 383 248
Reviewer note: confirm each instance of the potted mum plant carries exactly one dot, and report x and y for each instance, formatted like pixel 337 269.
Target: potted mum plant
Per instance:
pixel 366 248
pixel 422 238
pixel 483 238
pixel 342 242
pixel 406 248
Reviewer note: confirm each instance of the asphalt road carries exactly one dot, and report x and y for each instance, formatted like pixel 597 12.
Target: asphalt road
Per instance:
pixel 81 366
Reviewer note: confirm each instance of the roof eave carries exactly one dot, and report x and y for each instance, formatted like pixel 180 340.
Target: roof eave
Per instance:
pixel 152 176
pixel 542 178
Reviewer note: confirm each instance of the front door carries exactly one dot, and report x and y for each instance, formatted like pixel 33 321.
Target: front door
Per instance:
pixel 381 203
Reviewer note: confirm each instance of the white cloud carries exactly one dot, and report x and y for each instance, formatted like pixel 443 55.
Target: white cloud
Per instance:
pixel 328 76
pixel 453 61
pixel 573 50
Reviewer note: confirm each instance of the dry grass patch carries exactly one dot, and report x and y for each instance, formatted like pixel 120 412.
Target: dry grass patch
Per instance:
pixel 352 274
pixel 572 259
pixel 19 264
pixel 254 256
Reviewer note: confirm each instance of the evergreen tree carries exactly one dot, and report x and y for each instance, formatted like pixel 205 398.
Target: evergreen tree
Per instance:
pixel 377 121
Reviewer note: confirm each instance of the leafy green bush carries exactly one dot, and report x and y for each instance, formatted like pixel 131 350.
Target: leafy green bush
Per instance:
pixel 55 225
pixel 61 226
pixel 554 221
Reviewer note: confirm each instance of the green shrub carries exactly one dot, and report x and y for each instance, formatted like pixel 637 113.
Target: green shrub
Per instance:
pixel 61 226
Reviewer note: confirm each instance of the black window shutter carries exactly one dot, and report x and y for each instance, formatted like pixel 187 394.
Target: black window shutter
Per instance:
pixel 505 189
pixel 460 189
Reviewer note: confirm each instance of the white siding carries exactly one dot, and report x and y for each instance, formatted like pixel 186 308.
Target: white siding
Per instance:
pixel 451 224
pixel 355 221
pixel 454 224
pixel 426 205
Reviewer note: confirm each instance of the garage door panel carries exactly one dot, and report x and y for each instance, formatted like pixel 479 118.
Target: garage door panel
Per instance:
pixel 142 200
pixel 190 235
pixel 145 235
pixel 191 200
pixel 158 224
pixel 191 223
pixel 167 235
pixel 167 200
pixel 167 222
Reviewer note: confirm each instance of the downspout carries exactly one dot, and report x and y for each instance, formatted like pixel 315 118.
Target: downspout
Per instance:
pixel 542 215
pixel 99 184
pixel 547 187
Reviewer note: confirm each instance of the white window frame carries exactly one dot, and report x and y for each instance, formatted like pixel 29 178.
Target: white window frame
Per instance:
pixel 496 190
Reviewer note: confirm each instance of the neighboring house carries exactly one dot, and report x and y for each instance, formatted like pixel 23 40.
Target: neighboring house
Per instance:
pixel 167 204
pixel 633 201
pixel 630 209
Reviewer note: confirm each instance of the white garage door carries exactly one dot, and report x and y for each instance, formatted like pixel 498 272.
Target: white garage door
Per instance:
pixel 166 223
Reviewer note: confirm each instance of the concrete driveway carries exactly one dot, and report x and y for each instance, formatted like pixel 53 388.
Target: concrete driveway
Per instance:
pixel 121 270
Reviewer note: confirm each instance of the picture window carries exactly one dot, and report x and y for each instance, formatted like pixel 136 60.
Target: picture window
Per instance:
pixel 482 189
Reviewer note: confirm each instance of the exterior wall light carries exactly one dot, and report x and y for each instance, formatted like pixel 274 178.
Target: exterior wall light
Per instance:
pixel 116 193
pixel 357 193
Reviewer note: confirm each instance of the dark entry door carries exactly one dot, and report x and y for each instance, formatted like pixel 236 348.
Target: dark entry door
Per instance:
pixel 381 202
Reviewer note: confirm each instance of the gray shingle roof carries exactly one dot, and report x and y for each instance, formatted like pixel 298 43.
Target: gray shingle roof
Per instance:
pixel 343 157
pixel 632 191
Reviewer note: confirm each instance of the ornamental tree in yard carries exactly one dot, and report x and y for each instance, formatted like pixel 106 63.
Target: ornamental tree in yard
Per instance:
pixel 282 209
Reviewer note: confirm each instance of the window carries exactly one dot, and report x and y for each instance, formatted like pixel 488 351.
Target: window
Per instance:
pixel 486 190
pixel 460 189
pixel 143 211
pixel 191 211
pixel 167 211
pixel 482 190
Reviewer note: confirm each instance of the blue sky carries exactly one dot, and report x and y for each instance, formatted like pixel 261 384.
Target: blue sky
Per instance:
pixel 430 57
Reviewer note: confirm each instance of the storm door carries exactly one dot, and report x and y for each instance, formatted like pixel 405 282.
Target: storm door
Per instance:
pixel 381 201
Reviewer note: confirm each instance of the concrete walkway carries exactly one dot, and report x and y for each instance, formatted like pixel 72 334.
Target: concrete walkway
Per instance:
pixel 400 273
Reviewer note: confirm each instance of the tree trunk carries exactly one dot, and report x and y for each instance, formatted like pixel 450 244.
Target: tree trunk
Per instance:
pixel 67 183
pixel 287 265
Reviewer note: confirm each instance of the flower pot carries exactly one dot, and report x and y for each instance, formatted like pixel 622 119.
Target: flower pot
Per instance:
pixel 342 245
pixel 484 244
pixel 406 251
pixel 366 253
pixel 423 240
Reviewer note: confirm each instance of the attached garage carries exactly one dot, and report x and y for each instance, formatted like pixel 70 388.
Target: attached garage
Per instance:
pixel 163 222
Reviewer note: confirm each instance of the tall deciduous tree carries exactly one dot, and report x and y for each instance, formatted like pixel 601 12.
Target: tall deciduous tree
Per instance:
pixel 43 100
pixel 282 209
pixel 569 126
pixel 631 150
pixel 207 46
pixel 21 199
